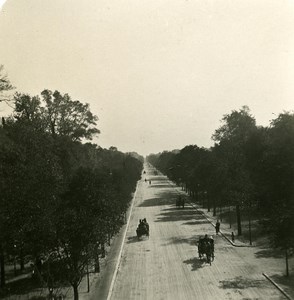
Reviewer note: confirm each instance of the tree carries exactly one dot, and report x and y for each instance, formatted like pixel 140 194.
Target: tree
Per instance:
pixel 30 180
pixel 278 163
pixel 79 212
pixel 66 117
pixel 60 198
pixel 232 138
pixel 57 114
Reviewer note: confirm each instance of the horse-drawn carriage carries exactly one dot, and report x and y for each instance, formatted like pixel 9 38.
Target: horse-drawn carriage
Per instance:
pixel 180 202
pixel 142 229
pixel 206 248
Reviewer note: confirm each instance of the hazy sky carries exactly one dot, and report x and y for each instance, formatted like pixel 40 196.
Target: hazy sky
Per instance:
pixel 160 74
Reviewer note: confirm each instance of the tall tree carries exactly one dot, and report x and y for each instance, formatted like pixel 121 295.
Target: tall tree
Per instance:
pixel 66 117
pixel 57 114
pixel 232 138
pixel 278 162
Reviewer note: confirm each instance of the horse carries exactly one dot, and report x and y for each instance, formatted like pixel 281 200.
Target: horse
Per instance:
pixel 206 247
pixel 180 202
pixel 143 229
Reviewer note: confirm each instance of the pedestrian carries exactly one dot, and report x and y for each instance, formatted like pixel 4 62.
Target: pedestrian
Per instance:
pixel 217 226
pixel 149 181
pixel 233 237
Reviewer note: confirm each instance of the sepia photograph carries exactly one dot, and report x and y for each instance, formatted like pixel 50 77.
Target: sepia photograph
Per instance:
pixel 147 150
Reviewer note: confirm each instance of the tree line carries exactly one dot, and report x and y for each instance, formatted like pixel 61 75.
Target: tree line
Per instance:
pixel 62 198
pixel 249 167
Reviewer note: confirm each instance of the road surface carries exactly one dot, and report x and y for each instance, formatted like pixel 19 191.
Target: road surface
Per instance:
pixel 166 266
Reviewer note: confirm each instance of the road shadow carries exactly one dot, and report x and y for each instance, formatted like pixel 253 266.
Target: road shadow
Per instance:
pixel 196 263
pixel 172 208
pixel 176 215
pixel 132 239
pixel 240 282
pixel 181 240
pixel 154 202
pixel 157 201
pixel 161 198
pixel 196 222
pixel 266 253
pixel 179 215
pixel 154 185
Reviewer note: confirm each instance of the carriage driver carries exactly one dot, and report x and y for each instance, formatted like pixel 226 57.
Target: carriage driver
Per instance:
pixel 144 221
pixel 206 239
pixel 209 240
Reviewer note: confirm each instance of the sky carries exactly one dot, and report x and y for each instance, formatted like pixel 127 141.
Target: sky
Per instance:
pixel 159 74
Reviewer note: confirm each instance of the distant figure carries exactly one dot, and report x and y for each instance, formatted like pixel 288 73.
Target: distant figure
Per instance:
pixel 149 181
pixel 145 180
pixel 144 172
pixel 217 226
pixel 233 237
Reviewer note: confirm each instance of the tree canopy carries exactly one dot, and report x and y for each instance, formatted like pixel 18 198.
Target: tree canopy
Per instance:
pixel 249 166
pixel 60 199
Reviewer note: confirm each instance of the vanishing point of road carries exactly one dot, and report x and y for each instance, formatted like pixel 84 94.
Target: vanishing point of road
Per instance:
pixel 166 266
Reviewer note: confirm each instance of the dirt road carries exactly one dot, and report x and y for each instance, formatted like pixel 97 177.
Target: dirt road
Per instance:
pixel 166 266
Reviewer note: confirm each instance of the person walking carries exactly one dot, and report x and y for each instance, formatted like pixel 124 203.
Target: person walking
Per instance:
pixel 217 226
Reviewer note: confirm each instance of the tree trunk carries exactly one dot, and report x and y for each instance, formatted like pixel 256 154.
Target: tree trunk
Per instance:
pixel 239 219
pixel 220 212
pixel 287 264
pixel 2 267
pixel 103 250
pixel 22 264
pixel 76 291
pixel 97 262
pixel 214 206
pixel 249 224
pixel 97 265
